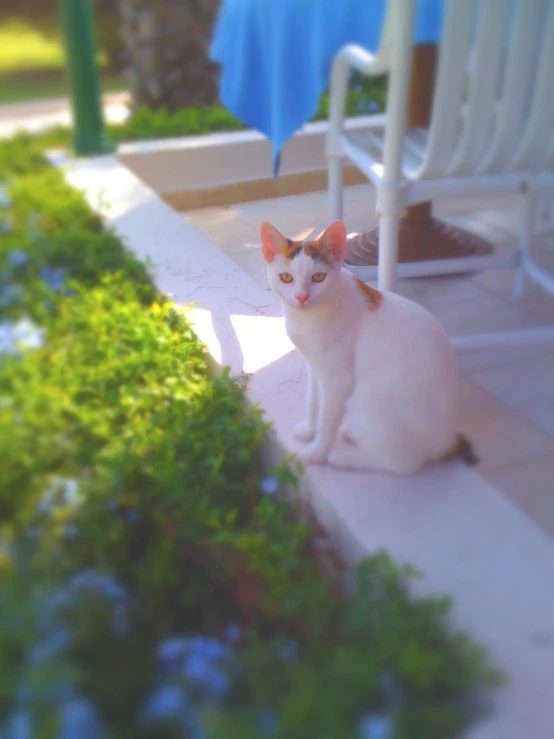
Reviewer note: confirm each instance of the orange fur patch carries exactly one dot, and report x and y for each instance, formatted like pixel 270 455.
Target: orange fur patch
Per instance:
pixel 311 249
pixel 373 296
pixel 291 249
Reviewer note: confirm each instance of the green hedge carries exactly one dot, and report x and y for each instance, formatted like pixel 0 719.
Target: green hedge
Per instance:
pixel 145 124
pixel 153 583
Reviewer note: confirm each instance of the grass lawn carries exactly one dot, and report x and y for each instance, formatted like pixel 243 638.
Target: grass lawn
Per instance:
pixel 32 66
pixel 24 48
pixel 18 88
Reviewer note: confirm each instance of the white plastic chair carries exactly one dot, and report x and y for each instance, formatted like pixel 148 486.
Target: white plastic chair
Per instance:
pixel 491 131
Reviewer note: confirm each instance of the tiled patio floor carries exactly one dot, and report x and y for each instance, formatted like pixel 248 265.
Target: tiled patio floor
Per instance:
pixel 508 394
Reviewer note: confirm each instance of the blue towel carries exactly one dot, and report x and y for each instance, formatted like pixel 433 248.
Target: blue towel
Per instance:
pixel 276 55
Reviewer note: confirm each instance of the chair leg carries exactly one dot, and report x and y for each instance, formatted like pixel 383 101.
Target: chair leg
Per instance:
pixel 335 189
pixel 527 229
pixel 388 250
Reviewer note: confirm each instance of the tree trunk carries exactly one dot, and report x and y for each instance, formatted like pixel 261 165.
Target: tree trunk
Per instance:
pixel 167 46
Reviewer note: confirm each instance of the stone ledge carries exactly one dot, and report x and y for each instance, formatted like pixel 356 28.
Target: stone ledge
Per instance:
pixel 216 169
pixel 467 539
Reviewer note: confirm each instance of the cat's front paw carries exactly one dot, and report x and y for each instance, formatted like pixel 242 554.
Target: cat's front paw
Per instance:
pixel 304 432
pixel 314 454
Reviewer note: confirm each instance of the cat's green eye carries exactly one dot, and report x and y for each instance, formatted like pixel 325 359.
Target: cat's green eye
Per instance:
pixel 319 276
pixel 285 277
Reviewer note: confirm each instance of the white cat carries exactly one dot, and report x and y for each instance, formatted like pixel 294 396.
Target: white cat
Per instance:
pixel 383 386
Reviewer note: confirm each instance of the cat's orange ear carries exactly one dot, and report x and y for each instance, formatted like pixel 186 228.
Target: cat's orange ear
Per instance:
pixel 273 242
pixel 333 240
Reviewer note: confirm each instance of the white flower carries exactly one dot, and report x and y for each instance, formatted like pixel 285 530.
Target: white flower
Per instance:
pixel 5 200
pixel 24 333
pixel 7 344
pixel 28 334
pixel 62 491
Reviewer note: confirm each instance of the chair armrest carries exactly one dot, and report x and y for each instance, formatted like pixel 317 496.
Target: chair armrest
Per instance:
pixel 353 55
pixel 350 56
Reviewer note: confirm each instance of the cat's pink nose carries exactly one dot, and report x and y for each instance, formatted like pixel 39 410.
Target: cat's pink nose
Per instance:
pixel 302 297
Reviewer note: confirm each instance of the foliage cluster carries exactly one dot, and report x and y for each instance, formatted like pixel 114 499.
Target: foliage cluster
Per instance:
pixel 153 581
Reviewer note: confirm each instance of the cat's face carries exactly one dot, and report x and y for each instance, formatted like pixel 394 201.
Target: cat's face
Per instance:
pixel 303 273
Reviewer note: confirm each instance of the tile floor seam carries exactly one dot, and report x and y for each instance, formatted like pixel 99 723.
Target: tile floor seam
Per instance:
pixel 515 302
pixel 486 467
pixel 525 416
pixel 533 457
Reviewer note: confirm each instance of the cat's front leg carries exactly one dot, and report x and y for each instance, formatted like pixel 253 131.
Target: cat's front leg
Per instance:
pixel 305 431
pixel 332 401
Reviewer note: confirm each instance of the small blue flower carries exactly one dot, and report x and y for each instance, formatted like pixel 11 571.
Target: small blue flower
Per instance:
pixel 78 720
pixel 98 583
pixel 267 721
pixel 197 659
pixel 71 531
pixel 5 547
pixel 57 599
pixel 132 516
pixel 6 224
pixel 5 200
pixel 288 651
pixel 120 622
pixel 210 648
pixel 166 703
pixel 61 692
pixel 367 106
pixel 376 726
pixel 171 650
pixel 204 675
pixel 104 586
pixel 10 294
pixel 198 668
pixel 60 598
pixel 20 726
pixel 219 683
pixel 16 257
pixel 232 633
pixel 52 646
pixel 54 277
pixel 391 688
pixel 53 603
pixel 269 485
pixel 23 693
pixel 32 533
pixel 7 343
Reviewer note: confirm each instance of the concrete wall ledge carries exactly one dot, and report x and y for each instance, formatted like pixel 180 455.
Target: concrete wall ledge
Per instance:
pixel 220 168
pixel 468 540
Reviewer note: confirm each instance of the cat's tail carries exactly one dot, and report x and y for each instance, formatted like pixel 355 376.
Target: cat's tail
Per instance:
pixel 462 449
